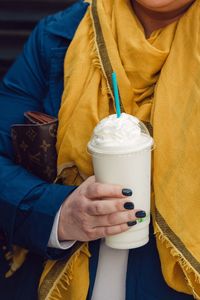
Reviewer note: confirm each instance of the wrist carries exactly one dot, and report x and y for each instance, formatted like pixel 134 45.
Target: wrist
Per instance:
pixel 61 231
pixel 62 223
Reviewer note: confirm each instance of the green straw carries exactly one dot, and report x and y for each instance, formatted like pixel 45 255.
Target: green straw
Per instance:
pixel 116 94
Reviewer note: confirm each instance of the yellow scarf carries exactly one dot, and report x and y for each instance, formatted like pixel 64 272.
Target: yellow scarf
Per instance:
pixel 163 70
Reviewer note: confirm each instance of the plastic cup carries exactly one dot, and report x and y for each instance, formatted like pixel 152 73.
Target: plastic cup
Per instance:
pixel 129 166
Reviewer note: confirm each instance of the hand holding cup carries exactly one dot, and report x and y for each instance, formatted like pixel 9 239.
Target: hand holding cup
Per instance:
pixel 95 210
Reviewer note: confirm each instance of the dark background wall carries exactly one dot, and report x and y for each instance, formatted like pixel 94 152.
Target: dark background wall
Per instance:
pixel 17 19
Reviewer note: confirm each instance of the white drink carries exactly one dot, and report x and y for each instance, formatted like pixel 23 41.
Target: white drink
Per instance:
pixel 121 154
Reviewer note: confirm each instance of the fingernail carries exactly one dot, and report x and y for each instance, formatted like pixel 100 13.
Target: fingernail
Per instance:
pixel 127 192
pixel 131 223
pixel 129 205
pixel 140 214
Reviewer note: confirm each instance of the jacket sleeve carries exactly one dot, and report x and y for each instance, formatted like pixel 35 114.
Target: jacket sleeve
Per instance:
pixel 28 204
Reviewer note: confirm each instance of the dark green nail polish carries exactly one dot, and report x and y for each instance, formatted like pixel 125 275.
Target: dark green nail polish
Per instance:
pixel 129 205
pixel 127 192
pixel 140 214
pixel 131 223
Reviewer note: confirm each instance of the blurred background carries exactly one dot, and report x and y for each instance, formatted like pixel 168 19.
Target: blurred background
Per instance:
pixel 17 19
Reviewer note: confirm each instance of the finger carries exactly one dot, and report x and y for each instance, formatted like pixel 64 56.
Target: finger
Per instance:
pixel 113 219
pixel 105 207
pixel 84 185
pixel 88 181
pixel 100 232
pixel 102 190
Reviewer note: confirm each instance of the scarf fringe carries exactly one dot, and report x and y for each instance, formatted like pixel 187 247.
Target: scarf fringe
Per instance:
pixel 64 279
pixel 184 264
pixel 16 258
pixel 95 55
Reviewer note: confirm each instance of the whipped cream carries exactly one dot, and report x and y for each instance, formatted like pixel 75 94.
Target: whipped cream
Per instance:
pixel 120 135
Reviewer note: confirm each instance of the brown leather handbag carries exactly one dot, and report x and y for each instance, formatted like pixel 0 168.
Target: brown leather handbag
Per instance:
pixel 35 144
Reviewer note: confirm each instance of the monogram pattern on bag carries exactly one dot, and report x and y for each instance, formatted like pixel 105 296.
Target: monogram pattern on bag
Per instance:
pixel 35 150
pixel 45 146
pixel 31 134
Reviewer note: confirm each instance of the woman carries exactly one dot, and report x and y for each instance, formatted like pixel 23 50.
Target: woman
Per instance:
pixel 153 47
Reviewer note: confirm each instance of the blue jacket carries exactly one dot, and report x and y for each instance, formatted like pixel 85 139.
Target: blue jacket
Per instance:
pixel 28 204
